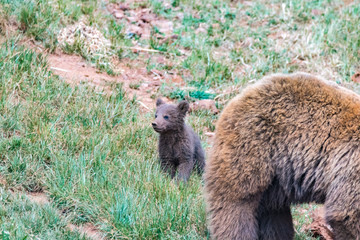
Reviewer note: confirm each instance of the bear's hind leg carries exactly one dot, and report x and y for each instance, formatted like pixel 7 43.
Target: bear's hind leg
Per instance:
pixel 342 209
pixel 344 220
pixel 339 230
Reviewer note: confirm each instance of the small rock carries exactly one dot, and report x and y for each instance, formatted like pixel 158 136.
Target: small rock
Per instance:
pixel 163 25
pixel 200 30
pixel 118 15
pixel 123 6
pixel 316 12
pixel 132 19
pixel 216 25
pixel 147 17
pixel 135 30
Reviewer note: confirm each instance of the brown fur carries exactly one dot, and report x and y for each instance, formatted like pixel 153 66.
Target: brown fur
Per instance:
pixel 179 147
pixel 288 139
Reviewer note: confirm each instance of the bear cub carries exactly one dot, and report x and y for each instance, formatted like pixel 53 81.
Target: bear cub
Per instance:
pixel 179 146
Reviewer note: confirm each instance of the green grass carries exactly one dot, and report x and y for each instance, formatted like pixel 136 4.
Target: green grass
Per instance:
pixel 21 219
pixel 95 154
pixel 302 218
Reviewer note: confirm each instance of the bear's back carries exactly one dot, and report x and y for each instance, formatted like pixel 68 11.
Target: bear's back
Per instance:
pixel 291 103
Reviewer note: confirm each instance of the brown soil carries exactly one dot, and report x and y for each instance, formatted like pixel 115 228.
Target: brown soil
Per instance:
pixel 38 198
pixel 132 73
pixel 88 230
pixel 140 21
pixel 137 81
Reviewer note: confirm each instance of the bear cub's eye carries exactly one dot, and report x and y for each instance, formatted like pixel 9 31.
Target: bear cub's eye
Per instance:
pixel 155 115
pixel 166 117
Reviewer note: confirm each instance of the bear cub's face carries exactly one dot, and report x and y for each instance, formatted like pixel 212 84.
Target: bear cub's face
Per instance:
pixel 169 117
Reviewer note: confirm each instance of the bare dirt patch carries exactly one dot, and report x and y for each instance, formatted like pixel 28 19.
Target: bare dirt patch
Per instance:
pixel 73 69
pixel 88 230
pixel 132 73
pixel 140 21
pixel 38 198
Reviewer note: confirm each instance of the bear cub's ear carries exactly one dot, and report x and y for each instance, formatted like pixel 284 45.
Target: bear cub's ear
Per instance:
pixel 159 102
pixel 183 107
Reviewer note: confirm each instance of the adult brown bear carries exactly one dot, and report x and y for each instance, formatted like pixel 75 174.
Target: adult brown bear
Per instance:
pixel 287 139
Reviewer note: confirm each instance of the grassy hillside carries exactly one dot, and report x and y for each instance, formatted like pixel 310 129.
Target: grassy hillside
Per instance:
pixel 93 153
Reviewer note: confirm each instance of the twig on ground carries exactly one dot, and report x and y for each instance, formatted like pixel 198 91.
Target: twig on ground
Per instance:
pixel 142 49
pixel 143 104
pixel 59 69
